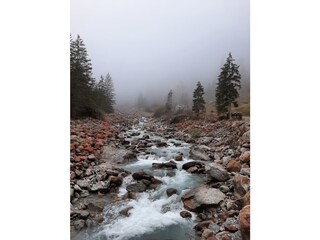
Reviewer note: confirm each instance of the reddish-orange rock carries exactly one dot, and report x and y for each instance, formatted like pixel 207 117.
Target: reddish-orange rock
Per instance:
pixel 245 222
pixel 233 166
pixel 245 157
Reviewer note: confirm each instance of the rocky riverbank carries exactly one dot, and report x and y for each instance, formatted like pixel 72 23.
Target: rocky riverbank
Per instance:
pixel 221 155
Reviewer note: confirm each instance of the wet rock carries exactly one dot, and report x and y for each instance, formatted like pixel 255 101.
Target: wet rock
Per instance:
pixel 130 156
pixel 141 175
pixel 161 144
pixel 115 181
pixel 89 171
pixel 125 211
pixel 171 174
pixel 201 197
pixel 188 165
pixel 136 187
pixel 241 185
pixel 99 219
pixel 185 214
pixel 245 222
pixel 171 191
pixel 233 166
pixel 218 173
pixel 99 186
pixel 178 158
pixel 79 224
pixel 245 157
pixel 202 225
pixel 146 182
pixel 193 169
pixel 95 207
pixel 224 189
pixel 166 165
pixel 80 214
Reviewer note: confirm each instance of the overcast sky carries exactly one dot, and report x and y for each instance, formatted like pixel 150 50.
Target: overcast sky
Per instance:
pixel 151 46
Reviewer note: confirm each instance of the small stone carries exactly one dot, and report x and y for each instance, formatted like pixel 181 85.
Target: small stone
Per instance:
pixel 125 211
pixel 178 158
pixel 185 214
pixel 171 191
pixel 202 225
pixel 77 188
pixel 230 228
pixel 207 233
pixel 136 187
pixel 245 157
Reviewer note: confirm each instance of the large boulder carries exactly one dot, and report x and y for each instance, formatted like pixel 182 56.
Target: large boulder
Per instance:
pixel 245 222
pixel 136 187
pixel 185 214
pixel 241 185
pixel 201 197
pixel 218 173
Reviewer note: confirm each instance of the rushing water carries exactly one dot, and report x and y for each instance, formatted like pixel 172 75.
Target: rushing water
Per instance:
pixel 154 215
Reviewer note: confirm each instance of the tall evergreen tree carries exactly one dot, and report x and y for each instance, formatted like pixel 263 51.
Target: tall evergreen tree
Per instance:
pixel 228 86
pixel 169 102
pixel 80 78
pixel 110 95
pixel 198 101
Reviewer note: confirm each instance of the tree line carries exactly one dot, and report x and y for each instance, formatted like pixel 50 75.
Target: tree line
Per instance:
pixel 88 97
pixel 226 92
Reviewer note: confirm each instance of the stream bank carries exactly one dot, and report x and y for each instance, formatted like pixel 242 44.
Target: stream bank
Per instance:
pixel 157 181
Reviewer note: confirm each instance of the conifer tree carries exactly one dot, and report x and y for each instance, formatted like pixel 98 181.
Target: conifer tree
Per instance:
pixel 228 86
pixel 198 101
pixel 110 96
pixel 80 78
pixel 169 102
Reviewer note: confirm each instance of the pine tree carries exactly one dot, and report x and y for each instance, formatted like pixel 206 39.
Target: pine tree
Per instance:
pixel 198 101
pixel 169 102
pixel 110 96
pixel 227 86
pixel 80 78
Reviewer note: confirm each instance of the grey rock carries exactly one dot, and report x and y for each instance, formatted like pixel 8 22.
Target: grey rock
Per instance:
pixel 201 197
pixel 99 186
pixel 225 160
pixel 218 173
pixel 77 188
pixel 199 155
pixel 136 187
pixel 171 191
pixel 83 183
pixel 245 171
pixel 79 224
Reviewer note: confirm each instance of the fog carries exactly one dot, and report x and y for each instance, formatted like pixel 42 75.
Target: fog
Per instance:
pixel 152 46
